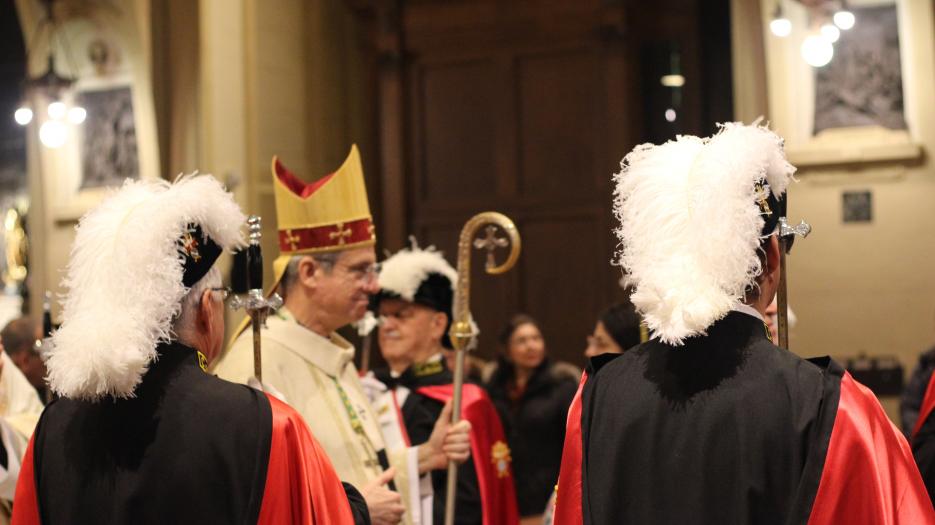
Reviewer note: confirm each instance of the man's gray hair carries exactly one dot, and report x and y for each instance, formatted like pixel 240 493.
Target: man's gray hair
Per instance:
pixel 327 261
pixel 184 324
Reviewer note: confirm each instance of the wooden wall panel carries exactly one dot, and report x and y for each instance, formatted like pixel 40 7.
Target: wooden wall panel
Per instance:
pixel 558 103
pixel 524 107
pixel 563 285
pixel 455 130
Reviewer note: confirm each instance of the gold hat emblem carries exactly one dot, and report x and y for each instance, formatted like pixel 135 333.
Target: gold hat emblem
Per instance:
pixel 190 246
pixel 762 193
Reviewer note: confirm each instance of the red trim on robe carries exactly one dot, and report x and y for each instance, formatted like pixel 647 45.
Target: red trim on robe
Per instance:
pixel 928 403
pixel 498 495
pixel 399 419
pixel 301 484
pixel 568 509
pixel 869 476
pixel 26 509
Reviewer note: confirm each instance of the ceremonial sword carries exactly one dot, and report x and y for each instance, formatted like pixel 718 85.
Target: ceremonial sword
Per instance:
pixel 786 237
pixel 462 328
pixel 257 306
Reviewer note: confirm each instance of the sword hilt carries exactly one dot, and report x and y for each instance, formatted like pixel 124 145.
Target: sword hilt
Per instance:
pixel 254 254
pixel 255 303
pixel 787 235
pixel 257 306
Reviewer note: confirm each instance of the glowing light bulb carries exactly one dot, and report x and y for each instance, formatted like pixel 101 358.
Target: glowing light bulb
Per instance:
pixel 670 115
pixel 844 19
pixel 23 116
pixel 77 114
pixel 817 51
pixel 830 32
pixel 57 110
pixel 781 27
pixel 53 133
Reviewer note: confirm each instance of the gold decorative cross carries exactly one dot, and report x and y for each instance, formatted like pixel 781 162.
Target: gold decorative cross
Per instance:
pixel 341 235
pixel 190 245
pixel 490 243
pixel 292 239
pixel 761 195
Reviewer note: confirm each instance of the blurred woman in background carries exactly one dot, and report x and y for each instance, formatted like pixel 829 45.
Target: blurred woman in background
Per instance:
pixel 617 329
pixel 532 395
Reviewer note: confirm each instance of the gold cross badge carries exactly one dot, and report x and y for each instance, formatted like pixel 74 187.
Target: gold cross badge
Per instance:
pixel 341 235
pixel 500 457
pixel 292 239
pixel 190 246
pixel 761 195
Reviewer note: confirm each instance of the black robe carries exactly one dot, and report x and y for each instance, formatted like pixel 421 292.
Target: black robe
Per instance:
pixel 730 429
pixel 188 448
pixel 419 415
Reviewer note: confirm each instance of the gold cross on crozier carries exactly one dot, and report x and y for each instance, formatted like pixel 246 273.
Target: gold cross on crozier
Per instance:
pixel 490 243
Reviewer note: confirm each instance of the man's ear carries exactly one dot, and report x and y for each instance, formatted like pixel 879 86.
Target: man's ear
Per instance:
pixel 308 271
pixel 205 311
pixel 439 323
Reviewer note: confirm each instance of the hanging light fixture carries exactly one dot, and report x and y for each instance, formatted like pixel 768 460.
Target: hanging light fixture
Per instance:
pixel 817 47
pixel 830 32
pixel 53 133
pixel 817 50
pixel 843 17
pixel 780 25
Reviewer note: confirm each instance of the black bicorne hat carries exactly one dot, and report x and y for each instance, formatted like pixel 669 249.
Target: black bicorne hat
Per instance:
pixel 199 253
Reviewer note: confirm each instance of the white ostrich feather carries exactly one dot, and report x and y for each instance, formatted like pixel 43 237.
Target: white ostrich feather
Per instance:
pixel 405 270
pixel 690 224
pixel 123 284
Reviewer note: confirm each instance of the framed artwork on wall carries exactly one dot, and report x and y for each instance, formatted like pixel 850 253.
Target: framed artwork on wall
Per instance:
pixel 105 151
pixel 860 106
pixel 108 148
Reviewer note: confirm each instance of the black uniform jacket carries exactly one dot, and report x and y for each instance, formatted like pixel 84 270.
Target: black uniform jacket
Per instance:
pixel 188 448
pixel 730 429
pixel 419 415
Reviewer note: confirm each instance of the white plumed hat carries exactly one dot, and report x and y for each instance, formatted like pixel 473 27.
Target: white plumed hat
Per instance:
pixel 692 214
pixel 127 275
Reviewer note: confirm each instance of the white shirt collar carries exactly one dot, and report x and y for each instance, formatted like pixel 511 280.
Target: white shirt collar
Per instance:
pixel 747 309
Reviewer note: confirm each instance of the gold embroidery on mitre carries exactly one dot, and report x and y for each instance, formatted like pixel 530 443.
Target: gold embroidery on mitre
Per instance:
pixel 190 246
pixel 501 459
pixel 762 193
pixel 342 234
pixel 292 239
pixel 202 361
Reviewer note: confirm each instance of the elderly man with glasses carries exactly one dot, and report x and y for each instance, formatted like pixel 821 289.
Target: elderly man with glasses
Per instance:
pixel 326 274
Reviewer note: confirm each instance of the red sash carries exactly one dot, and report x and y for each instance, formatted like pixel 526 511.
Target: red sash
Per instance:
pixel 568 509
pixel 489 450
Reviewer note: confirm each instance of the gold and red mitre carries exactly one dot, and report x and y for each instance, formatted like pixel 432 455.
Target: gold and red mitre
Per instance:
pixel 328 215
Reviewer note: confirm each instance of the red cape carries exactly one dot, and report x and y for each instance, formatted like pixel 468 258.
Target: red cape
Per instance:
pixel 869 475
pixel 928 403
pixel 489 449
pixel 301 485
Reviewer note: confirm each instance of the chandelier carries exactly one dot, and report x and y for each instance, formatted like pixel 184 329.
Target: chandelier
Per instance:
pixel 826 21
pixel 50 86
